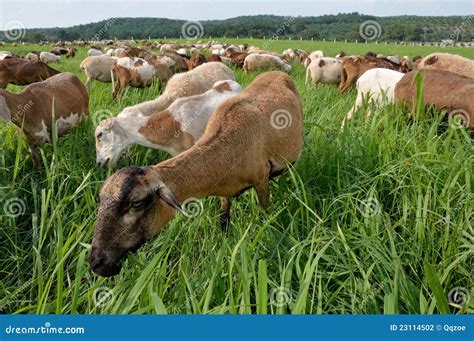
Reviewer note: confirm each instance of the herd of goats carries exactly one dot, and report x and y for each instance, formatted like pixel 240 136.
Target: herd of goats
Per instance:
pixel 223 139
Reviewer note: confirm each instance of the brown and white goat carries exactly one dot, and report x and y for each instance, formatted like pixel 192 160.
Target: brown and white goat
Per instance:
pixel 173 130
pixel 31 111
pixel 137 73
pixel 249 139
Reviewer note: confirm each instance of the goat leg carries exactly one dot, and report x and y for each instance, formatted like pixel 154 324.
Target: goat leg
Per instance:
pixel 225 214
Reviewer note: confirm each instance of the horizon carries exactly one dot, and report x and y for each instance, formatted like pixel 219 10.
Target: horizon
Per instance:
pixel 55 14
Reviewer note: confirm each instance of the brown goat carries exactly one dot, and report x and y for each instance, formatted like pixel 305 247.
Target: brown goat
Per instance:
pixel 196 60
pixel 31 111
pixel 353 67
pixel 23 72
pixel 249 139
pixel 214 58
pixel 443 90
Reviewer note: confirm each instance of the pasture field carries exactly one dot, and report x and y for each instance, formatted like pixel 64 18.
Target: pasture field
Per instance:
pixel 374 218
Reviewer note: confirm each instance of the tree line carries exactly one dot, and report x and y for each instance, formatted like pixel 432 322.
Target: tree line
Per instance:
pixel 348 26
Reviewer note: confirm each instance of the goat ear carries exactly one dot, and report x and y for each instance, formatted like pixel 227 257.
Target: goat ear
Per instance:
pixel 431 60
pixel 165 194
pixel 5 113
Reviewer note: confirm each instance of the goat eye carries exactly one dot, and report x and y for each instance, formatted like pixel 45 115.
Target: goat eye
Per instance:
pixel 99 135
pixel 137 204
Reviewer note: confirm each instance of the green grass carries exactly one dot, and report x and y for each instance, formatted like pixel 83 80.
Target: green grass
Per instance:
pixel 375 218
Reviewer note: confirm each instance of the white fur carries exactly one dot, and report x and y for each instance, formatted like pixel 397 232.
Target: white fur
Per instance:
pixel 47 57
pixel 329 73
pixel 191 113
pixel 262 61
pixel 94 52
pixel 378 85
pixel 32 57
pixel 5 113
pixel 43 134
pixel 64 124
pixel 313 55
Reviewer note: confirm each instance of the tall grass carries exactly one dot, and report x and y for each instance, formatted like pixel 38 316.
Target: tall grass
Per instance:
pixel 374 218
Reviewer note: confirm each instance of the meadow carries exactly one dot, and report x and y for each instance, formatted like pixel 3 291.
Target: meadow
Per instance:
pixel 374 218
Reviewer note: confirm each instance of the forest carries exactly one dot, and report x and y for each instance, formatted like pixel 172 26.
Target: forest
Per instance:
pixel 327 27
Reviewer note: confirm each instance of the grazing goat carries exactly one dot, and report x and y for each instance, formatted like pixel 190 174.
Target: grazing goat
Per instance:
pixel 173 130
pixel 265 61
pixel 194 82
pixel 324 70
pixel 138 73
pixel 47 57
pixel 449 62
pixel 94 52
pixel 443 90
pixel 23 72
pixel 353 67
pixel 98 68
pixel 31 111
pixel 313 55
pixel 376 86
pixel 249 139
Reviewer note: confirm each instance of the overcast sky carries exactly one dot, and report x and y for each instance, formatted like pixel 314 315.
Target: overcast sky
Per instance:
pixel 54 13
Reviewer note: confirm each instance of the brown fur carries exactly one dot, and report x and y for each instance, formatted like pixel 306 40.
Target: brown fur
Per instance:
pixel 124 77
pixel 238 58
pixel 223 87
pixel 71 52
pixel 196 60
pixel 163 130
pixel 240 149
pixel 214 58
pixel 353 67
pixel 443 90
pixel 33 106
pixel 180 65
pixel 303 57
pixel 23 72
pixel 449 62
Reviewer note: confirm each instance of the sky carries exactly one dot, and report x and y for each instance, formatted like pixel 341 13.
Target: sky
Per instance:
pixel 55 13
